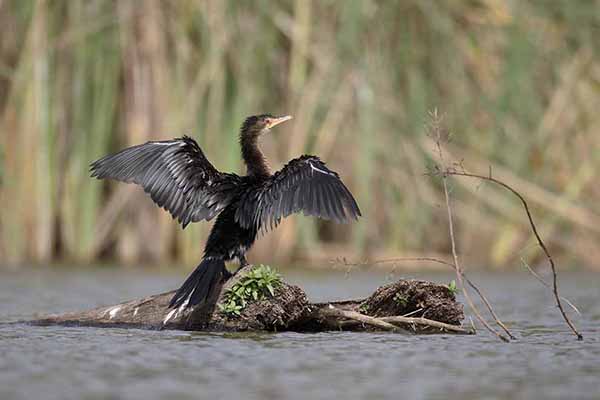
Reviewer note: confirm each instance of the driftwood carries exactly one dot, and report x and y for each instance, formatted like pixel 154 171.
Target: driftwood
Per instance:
pixel 404 306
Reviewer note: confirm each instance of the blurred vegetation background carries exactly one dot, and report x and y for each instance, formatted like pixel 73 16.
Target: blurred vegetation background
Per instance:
pixel 518 81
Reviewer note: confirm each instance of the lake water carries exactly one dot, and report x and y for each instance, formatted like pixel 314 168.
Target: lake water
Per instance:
pixel 546 362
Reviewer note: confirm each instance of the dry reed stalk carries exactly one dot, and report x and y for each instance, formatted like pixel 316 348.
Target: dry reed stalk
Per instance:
pixel 574 213
pixel 546 284
pixel 208 78
pixel 537 236
pixel 444 171
pixel 436 132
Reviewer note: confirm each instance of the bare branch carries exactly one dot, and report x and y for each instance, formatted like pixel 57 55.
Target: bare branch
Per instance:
pixel 394 323
pixel 430 323
pixel 437 260
pixel 546 284
pixel 332 311
pixel 541 243
pixel 435 129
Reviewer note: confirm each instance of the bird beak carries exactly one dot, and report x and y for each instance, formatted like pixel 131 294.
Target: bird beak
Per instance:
pixel 278 120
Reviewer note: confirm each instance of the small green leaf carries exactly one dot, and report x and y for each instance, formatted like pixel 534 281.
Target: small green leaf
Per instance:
pixel 452 287
pixel 255 285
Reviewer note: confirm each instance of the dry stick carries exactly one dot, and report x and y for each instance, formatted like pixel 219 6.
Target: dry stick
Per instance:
pixel 418 310
pixel 469 282
pixel 535 233
pixel 546 284
pixel 437 131
pixel 400 321
pixel 332 311
pixel 459 269
pixel 428 322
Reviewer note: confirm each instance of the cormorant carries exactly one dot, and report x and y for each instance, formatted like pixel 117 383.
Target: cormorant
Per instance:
pixel 179 178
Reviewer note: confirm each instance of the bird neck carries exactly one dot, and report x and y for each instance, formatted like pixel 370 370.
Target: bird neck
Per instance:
pixel 256 164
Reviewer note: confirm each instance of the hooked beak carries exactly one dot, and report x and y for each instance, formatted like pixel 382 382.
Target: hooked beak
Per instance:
pixel 278 120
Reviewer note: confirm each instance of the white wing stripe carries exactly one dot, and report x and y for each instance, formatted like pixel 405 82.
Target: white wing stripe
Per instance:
pixel 319 170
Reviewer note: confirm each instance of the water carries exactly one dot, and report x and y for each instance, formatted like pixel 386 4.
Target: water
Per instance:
pixel 87 363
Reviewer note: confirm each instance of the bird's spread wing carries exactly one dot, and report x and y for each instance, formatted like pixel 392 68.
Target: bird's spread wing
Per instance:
pixel 176 174
pixel 304 184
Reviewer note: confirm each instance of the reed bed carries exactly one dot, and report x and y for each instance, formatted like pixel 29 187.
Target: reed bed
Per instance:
pixel 519 83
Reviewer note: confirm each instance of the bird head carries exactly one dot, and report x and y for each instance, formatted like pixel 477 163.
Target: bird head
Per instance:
pixel 256 125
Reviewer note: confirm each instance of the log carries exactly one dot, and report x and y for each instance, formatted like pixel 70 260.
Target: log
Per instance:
pixel 407 306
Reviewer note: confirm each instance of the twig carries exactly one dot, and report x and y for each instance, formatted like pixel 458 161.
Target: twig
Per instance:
pixel 437 131
pixel 469 282
pixel 546 284
pixel 332 311
pixel 398 321
pixel 418 310
pixel 429 323
pixel 447 172
pixel 473 325
pixel 391 323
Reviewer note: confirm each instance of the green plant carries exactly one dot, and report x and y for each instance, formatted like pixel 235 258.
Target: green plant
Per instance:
pixel 401 299
pixel 258 284
pixel 452 287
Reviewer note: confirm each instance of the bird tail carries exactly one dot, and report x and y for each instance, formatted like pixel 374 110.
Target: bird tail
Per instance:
pixel 200 284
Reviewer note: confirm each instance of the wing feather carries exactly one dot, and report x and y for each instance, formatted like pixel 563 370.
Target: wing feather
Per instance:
pixel 177 176
pixel 304 185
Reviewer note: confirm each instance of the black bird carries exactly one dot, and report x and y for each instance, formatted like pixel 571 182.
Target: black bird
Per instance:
pixel 178 177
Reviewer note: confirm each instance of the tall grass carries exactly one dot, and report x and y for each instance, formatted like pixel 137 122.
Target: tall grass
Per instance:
pixel 518 81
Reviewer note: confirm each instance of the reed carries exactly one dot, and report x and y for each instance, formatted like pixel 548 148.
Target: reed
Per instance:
pixel 518 83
